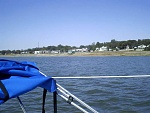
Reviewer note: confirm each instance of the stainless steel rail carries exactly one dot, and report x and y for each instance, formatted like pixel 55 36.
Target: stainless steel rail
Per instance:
pixel 21 105
pixel 69 97
pixel 66 95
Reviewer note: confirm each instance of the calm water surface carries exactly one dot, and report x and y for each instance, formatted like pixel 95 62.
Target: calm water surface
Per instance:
pixel 107 95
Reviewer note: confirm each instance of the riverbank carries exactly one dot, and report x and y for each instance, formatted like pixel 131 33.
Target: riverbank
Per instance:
pixel 103 53
pixel 116 53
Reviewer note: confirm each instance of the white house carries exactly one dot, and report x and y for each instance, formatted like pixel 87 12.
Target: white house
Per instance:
pixel 80 50
pixel 84 49
pixel 142 47
pixel 37 52
pixel 103 48
pixel 55 52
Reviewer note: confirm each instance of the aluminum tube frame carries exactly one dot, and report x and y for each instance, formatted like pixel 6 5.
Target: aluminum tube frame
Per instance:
pixel 21 105
pixel 66 92
pixel 72 103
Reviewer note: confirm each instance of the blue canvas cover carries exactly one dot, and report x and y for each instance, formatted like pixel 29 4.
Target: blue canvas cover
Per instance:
pixel 21 77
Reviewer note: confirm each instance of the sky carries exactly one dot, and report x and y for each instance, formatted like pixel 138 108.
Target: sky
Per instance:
pixel 28 23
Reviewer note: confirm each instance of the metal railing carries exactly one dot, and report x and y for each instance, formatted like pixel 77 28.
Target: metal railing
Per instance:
pixel 69 97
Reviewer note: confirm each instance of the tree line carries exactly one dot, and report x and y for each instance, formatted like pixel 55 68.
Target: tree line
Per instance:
pixel 110 45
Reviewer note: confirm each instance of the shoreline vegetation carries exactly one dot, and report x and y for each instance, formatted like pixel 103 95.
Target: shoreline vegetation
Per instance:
pixel 104 53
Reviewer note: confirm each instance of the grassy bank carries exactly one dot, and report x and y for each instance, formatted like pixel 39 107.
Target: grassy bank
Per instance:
pixel 115 53
pixel 104 53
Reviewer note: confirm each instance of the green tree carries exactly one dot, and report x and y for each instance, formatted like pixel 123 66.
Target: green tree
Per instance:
pixel 147 48
pixel 82 46
pixel 132 43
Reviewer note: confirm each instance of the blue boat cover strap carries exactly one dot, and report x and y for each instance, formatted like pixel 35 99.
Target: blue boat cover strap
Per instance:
pixel 44 97
pixel 5 92
pixel 18 78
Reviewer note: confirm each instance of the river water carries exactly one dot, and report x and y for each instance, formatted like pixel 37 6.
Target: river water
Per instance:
pixel 106 95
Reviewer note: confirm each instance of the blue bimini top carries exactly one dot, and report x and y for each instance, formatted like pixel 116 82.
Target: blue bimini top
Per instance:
pixel 17 78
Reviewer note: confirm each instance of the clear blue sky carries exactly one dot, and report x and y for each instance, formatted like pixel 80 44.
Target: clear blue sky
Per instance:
pixel 24 23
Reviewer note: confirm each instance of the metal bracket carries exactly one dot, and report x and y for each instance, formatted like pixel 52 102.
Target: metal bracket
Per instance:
pixel 70 99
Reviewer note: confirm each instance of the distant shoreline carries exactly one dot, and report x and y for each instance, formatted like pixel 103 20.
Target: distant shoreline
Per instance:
pixel 103 53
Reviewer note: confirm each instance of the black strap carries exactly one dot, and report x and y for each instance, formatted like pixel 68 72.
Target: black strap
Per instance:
pixel 44 97
pixel 4 90
pixel 55 101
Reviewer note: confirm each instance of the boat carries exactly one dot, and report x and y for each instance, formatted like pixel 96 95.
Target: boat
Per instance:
pixel 18 78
